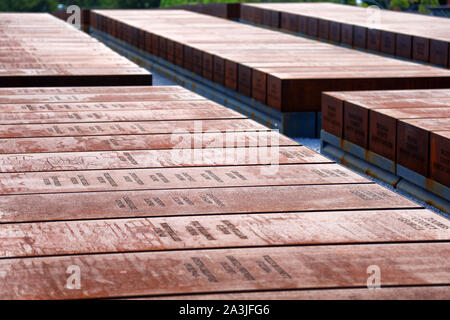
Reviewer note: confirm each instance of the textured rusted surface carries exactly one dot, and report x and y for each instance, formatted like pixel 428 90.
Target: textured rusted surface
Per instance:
pixel 226 176
pixel 45 207
pixel 114 116
pixel 157 159
pixel 128 128
pixel 155 234
pixel 440 157
pixel 286 72
pixel 383 126
pixel 156 273
pixel 422 38
pixel 394 293
pixel 397 125
pixel 82 186
pixel 144 142
pixel 413 138
pixel 38 49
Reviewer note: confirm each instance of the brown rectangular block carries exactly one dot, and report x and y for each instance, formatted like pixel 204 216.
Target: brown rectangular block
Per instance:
pixel 259 82
pixel 413 147
pixel 360 37
pixel 397 293
pixel 207 65
pixel 141 43
pixel 284 20
pixel 274 92
pixel 168 178
pixel 156 159
pixel 324 29
pixel 347 34
pixel 115 116
pixel 197 61
pixel 293 22
pixel 440 157
pixel 421 49
pixel 257 15
pixel 179 54
pixel 155 45
pixel 170 47
pixel 231 75
pixel 335 31
pixel 302 22
pixel 219 70
pixel 313 27
pixel 142 142
pixel 245 12
pixel 388 42
pixel 439 52
pixel 266 17
pixel 356 124
pixel 332 115
pixel 162 53
pixel 245 80
pixel 373 39
pixel 124 128
pixel 205 201
pixel 225 270
pixel 148 42
pixel 222 231
pixel 275 21
pixel 188 62
pixel 382 134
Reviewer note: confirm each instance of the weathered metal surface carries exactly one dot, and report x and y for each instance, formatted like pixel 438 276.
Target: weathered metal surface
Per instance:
pixel 156 273
pixel 114 116
pixel 422 38
pixel 413 142
pixel 135 159
pixel 394 293
pixel 395 126
pixel 252 58
pixel 155 234
pixel 226 176
pixel 231 139
pixel 440 157
pixel 123 128
pixel 43 51
pixel 383 126
pixel 142 203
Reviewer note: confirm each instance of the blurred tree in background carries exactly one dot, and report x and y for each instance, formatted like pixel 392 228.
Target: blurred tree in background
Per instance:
pixel 407 4
pixel 51 5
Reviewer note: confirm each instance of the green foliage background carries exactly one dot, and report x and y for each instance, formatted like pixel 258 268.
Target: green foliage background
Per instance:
pixel 51 5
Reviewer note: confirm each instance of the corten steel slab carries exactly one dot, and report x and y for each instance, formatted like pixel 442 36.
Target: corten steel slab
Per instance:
pixel 42 50
pixel 58 91
pixel 383 126
pixel 286 72
pixel 360 102
pixel 110 106
pixel 35 162
pixel 172 202
pixel 99 97
pixel 115 128
pixel 419 37
pixel 218 270
pixel 124 235
pixel 231 139
pixel 394 293
pixel 117 116
pixel 413 145
pixel 440 157
pixel 227 176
